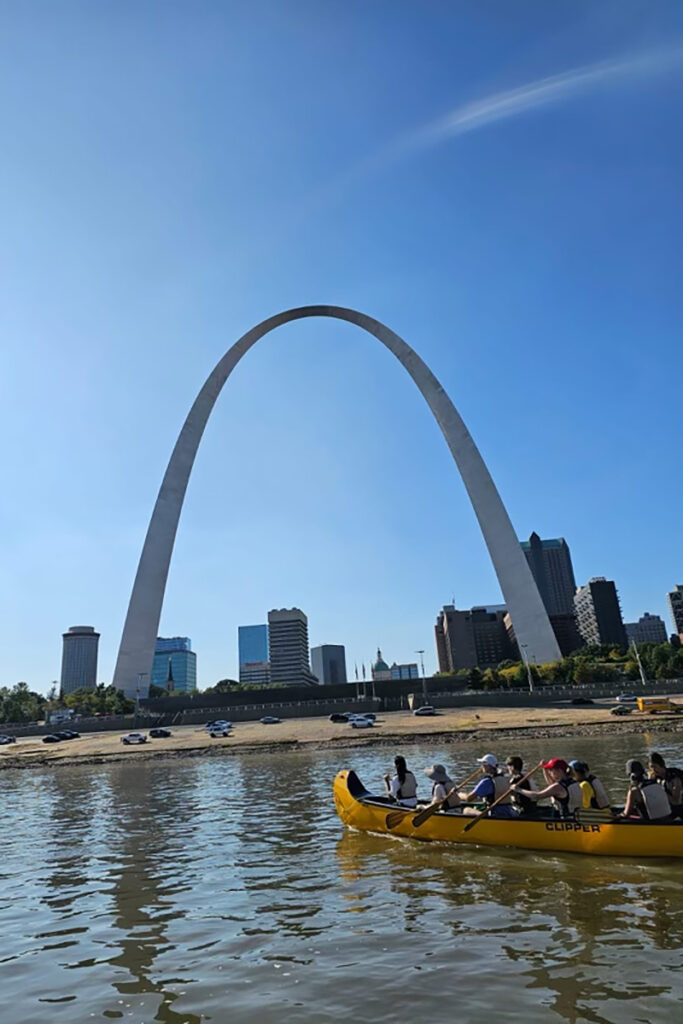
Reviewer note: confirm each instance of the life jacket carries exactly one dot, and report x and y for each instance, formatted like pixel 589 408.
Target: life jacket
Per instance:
pixel 408 788
pixel 501 785
pixel 566 805
pixel 655 799
pixel 601 798
pixel 450 801
pixel 524 804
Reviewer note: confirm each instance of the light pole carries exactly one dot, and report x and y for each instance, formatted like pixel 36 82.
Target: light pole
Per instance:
pixel 141 676
pixel 424 678
pixel 525 659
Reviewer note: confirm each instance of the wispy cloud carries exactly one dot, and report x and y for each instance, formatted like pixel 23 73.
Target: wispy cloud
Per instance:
pixel 500 106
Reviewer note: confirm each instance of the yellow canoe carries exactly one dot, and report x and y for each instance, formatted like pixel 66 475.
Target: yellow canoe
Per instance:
pixel 361 810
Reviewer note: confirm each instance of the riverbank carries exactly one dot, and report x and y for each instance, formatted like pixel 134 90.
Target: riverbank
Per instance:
pixel 484 727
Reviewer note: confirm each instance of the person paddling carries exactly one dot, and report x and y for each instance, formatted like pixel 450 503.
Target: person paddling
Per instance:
pixel 403 786
pixel 645 798
pixel 670 780
pixel 441 787
pixel 593 792
pixel 491 787
pixel 522 804
pixel 564 792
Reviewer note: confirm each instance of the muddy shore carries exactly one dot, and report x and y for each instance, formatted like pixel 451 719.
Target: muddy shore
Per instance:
pixel 462 725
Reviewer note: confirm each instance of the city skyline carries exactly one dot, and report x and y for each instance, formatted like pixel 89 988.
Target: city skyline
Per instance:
pixel 543 247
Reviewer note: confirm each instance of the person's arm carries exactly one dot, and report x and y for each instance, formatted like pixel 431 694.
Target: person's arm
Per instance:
pixel 633 803
pixel 676 791
pixel 439 794
pixel 394 787
pixel 555 789
pixel 484 789
pixel 387 784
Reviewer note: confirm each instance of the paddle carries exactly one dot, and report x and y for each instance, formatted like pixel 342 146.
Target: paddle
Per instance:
pixel 395 817
pixel 420 818
pixel 471 824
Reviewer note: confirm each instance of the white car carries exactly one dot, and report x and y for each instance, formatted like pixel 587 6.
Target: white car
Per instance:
pixel 358 722
pixel 134 737
pixel 426 709
pixel 269 720
pixel 219 724
pixel 218 731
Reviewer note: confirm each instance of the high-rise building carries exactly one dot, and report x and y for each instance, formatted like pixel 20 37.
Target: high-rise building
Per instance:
pixel 408 670
pixel 329 664
pixel 649 629
pixel 551 566
pixel 598 614
pixel 253 654
pixel 175 665
pixel 288 648
pixel 675 597
pixel 473 638
pixel 79 659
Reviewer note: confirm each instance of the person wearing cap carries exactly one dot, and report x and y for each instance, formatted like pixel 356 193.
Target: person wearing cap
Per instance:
pixel 523 805
pixel 493 785
pixel 441 787
pixel 403 786
pixel 645 798
pixel 564 792
pixel 593 792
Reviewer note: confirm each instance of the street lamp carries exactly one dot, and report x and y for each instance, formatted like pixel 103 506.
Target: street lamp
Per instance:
pixel 525 659
pixel 141 676
pixel 424 678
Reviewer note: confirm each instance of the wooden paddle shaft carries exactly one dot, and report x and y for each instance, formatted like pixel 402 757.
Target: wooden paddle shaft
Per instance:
pixel 507 793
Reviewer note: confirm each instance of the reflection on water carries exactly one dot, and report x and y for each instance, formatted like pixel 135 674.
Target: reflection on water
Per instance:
pixel 228 891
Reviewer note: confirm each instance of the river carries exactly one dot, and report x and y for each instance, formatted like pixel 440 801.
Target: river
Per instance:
pixel 223 890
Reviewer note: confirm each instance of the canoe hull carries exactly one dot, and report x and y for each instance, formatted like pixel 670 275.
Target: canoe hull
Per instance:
pixel 355 808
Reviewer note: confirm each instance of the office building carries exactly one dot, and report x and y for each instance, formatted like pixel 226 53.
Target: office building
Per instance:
pixel 551 566
pixel 175 665
pixel 406 671
pixel 329 664
pixel 472 638
pixel 649 629
pixel 598 614
pixel 79 659
pixel 252 643
pixel 676 608
pixel 288 648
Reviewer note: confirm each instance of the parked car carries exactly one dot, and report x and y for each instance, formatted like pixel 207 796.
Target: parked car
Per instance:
pixel 220 723
pixel 426 709
pixel 134 737
pixel 339 716
pixel 627 698
pixel 269 720
pixel 582 700
pixel 361 723
pixel 52 738
pixel 218 731
pixel 72 734
pixel 621 709
pixel 160 734
pixel 66 734
pixel 7 739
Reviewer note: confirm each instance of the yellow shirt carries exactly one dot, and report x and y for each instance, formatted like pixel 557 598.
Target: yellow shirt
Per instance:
pixel 587 793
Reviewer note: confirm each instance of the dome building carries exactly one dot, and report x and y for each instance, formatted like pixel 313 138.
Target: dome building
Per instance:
pixel 380 669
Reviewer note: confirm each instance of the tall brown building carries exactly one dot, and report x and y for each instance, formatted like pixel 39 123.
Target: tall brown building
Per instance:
pixel 472 638
pixel 551 566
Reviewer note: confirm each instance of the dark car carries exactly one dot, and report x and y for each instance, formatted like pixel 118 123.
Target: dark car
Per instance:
pixel 73 735
pixel 339 716
pixel 7 739
pixel 160 734
pixel 65 734
pixel 582 700
pixel 52 738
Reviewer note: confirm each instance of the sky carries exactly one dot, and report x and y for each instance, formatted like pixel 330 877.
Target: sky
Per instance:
pixel 499 183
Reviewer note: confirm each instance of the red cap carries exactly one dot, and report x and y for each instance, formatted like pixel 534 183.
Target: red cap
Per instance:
pixel 556 762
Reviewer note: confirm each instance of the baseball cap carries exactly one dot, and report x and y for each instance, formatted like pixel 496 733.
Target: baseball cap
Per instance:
pixel 578 766
pixel 556 762
pixel 489 759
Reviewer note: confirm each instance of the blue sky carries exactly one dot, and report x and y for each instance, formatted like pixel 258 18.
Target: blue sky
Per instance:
pixel 172 173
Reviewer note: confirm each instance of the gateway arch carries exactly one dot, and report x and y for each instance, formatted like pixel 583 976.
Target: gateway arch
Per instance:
pixel 523 601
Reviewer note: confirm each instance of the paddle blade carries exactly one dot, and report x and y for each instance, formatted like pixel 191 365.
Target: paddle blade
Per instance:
pixel 395 818
pixel 426 813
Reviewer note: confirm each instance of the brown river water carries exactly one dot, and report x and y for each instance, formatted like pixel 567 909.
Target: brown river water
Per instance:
pixel 185 891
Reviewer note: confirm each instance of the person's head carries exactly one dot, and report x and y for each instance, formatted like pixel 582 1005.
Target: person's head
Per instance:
pixel 579 770
pixel 556 768
pixel 514 764
pixel 489 764
pixel 437 773
pixel 635 771
pixel 401 767
pixel 658 765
